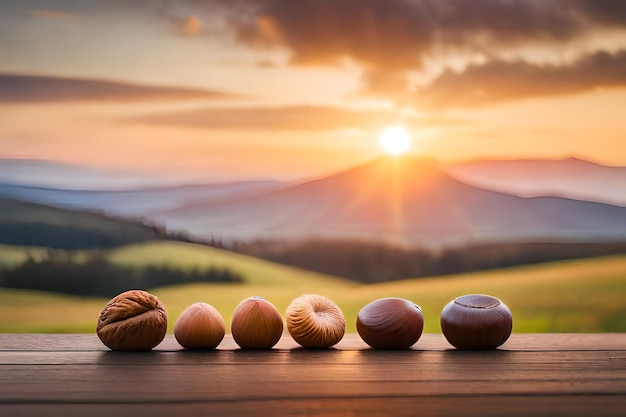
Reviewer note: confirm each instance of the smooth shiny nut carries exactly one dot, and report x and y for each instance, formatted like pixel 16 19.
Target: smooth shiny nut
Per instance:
pixel 476 321
pixel 390 323
pixel 134 320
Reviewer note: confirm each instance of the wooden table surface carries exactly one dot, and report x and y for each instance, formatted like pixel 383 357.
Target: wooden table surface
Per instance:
pixel 531 375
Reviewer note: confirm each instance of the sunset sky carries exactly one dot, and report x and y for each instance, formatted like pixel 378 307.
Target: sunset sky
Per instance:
pixel 287 89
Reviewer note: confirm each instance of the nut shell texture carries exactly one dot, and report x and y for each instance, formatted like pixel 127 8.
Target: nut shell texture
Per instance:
pixel 256 324
pixel 134 320
pixel 390 323
pixel 476 321
pixel 315 321
pixel 200 326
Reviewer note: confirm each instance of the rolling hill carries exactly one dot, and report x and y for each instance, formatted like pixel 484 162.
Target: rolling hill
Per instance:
pixel 573 296
pixel 31 224
pixel 405 200
pixel 22 310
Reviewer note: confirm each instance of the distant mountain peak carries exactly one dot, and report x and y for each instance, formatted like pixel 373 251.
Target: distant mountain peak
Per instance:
pixel 406 165
pixel 378 177
pixel 571 177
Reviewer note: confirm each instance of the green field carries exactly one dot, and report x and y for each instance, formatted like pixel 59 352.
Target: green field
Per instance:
pixel 573 296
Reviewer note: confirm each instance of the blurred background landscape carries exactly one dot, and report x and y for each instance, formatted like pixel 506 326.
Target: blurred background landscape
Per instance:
pixel 215 150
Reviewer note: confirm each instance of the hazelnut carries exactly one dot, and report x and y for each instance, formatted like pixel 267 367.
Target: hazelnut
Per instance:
pixel 200 326
pixel 256 324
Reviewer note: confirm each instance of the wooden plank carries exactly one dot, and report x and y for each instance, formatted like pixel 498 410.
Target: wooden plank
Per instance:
pixel 198 389
pixel 431 373
pixel 430 341
pixel 316 357
pixel 577 375
pixel 484 406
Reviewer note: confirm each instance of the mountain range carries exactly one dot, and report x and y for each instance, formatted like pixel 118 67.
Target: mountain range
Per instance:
pixel 571 178
pixel 407 200
pixel 135 202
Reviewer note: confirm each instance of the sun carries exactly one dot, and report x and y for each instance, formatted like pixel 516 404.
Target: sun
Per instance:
pixel 395 140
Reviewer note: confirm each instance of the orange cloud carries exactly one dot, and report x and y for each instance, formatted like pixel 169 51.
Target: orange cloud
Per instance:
pixel 296 118
pixel 392 40
pixel 191 25
pixel 499 81
pixel 33 88
pixel 292 118
pixel 268 28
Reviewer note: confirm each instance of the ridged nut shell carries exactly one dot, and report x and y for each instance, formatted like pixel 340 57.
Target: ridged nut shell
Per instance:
pixel 200 326
pixel 390 323
pixel 256 324
pixel 476 321
pixel 134 320
pixel 315 321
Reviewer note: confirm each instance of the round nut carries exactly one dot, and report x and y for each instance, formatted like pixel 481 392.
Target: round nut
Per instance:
pixel 256 324
pixel 390 323
pixel 476 321
pixel 315 321
pixel 134 320
pixel 199 326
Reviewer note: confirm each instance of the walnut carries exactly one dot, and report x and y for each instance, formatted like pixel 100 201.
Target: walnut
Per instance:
pixel 134 320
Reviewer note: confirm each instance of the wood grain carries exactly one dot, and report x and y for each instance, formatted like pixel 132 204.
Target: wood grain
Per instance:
pixel 547 374
pixel 428 341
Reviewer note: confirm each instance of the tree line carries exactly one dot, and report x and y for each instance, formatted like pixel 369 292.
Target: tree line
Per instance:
pixel 370 262
pixel 98 277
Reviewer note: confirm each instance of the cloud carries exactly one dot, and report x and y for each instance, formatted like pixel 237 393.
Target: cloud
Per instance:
pixel 499 81
pixel 611 12
pixel 15 88
pixel 191 25
pixel 296 118
pixel 403 43
pixel 372 32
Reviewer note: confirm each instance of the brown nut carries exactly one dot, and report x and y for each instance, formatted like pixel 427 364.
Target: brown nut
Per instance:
pixel 200 326
pixel 390 323
pixel 256 324
pixel 476 321
pixel 315 321
pixel 134 320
